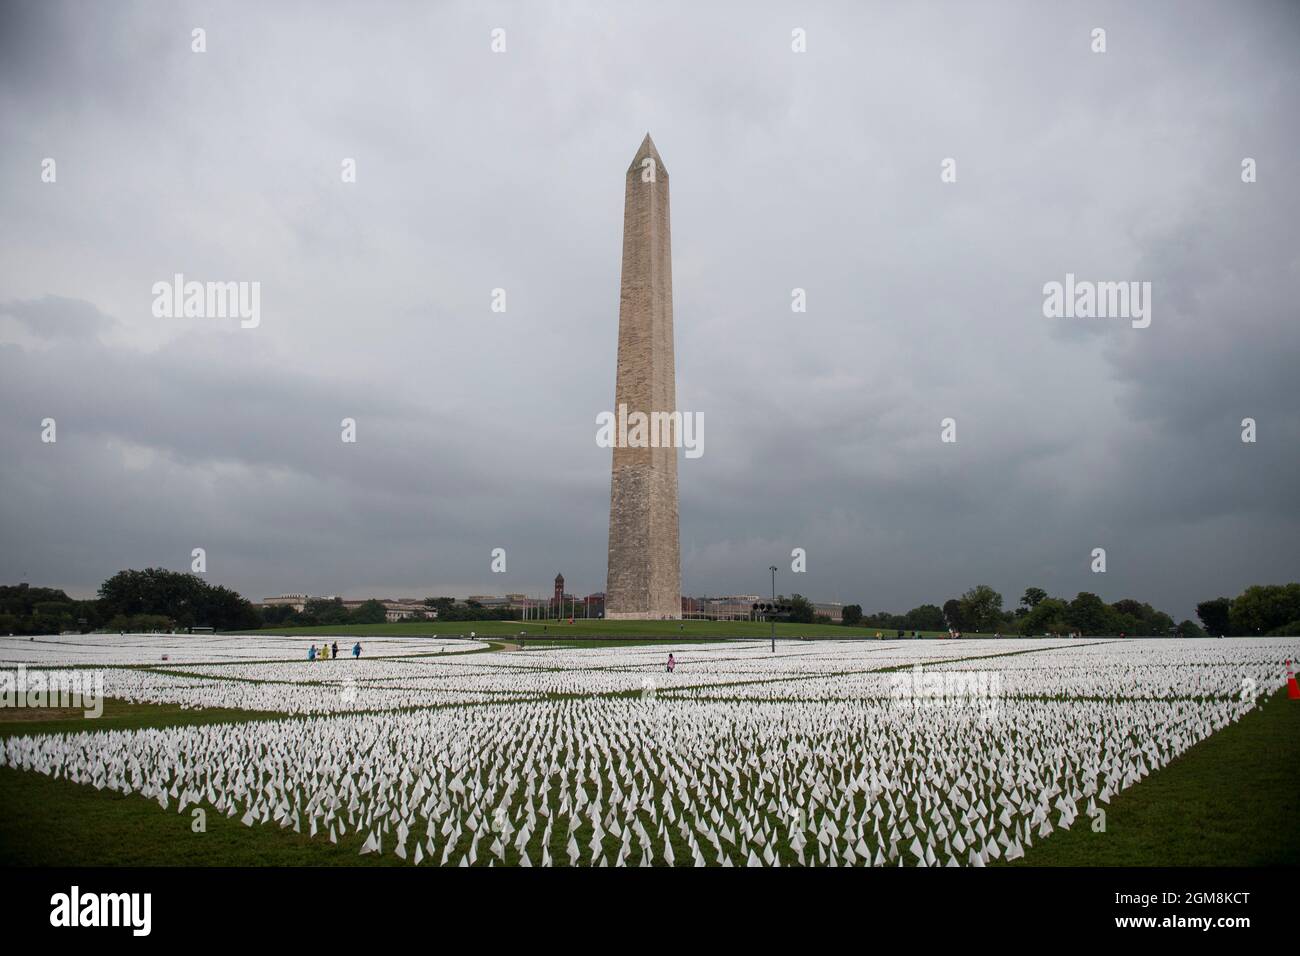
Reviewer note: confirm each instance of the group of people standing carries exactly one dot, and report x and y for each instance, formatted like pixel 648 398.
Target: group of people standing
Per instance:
pixel 331 650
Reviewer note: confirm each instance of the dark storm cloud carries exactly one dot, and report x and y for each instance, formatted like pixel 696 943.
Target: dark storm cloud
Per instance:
pixel 818 171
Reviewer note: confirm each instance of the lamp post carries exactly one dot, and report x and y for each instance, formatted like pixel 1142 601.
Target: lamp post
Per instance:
pixel 773 618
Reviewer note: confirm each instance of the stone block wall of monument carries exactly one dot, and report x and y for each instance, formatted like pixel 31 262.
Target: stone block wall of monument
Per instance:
pixel 644 552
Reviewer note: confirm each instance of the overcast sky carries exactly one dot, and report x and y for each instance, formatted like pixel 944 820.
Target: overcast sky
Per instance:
pixel 818 170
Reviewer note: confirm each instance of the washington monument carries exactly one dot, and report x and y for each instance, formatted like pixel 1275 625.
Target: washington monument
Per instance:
pixel 645 576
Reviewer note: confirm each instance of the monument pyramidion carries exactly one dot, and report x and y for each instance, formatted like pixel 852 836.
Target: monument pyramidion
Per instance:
pixel 644 557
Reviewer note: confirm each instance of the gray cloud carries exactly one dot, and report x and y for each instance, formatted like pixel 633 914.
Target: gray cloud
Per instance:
pixel 819 171
pixel 54 317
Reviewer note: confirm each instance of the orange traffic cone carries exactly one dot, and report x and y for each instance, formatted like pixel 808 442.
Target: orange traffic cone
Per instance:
pixel 1292 688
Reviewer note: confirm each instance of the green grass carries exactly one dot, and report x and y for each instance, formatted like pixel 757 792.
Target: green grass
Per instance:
pixel 121 715
pixel 1231 800
pixel 583 630
pixel 48 822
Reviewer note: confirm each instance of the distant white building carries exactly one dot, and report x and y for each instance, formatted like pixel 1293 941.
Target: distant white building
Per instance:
pixel 729 607
pixel 832 609
pixel 295 601
pixel 398 609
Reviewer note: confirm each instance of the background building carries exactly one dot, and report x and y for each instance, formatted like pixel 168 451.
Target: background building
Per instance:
pixel 832 609
pixel 295 601
pixel 730 607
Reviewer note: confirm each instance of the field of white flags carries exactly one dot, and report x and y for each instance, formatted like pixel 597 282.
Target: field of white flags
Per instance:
pixel 111 650
pixel 833 753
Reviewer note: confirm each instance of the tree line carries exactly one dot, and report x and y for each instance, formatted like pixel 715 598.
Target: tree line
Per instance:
pixel 331 611
pixel 1272 610
pixel 157 599
pixel 154 599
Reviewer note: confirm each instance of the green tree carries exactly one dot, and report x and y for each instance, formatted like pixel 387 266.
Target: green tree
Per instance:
pixel 1088 614
pixel 185 599
pixel 324 611
pixel 28 610
pixel 140 623
pixel 279 615
pixel 1032 598
pixel 1132 608
pixel 1261 608
pixel 852 615
pixel 368 612
pixel 1214 615
pixel 1160 624
pixel 981 609
pixel 1047 617
pixel 1137 618
pixel 225 610
pixel 801 610
pixel 952 614
pixel 925 617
